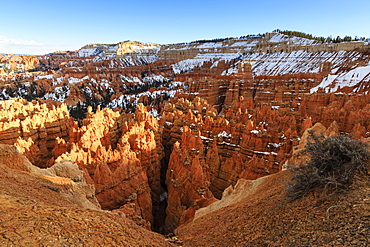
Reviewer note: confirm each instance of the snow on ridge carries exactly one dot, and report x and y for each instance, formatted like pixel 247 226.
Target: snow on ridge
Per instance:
pixel 126 99
pixel 200 58
pixel 332 83
pixel 246 43
pixel 210 45
pixel 230 71
pixel 295 62
pixel 58 94
pixel 187 65
pixel 144 48
pixel 277 38
pixel 140 59
pixel 43 77
pixel 73 80
pixel 87 52
pixel 224 134
pixel 220 56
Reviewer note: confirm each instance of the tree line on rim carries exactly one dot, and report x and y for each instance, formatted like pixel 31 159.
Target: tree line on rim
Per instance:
pixel 329 39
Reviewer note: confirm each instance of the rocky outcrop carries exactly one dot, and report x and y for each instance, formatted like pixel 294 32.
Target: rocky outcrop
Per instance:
pixel 18 63
pixel 64 178
pixel 33 127
pixel 244 149
pixel 56 207
pixel 187 180
pixel 227 109
pixel 121 157
pixel 271 67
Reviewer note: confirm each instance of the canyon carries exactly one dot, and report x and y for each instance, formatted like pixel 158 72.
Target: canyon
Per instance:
pixel 160 137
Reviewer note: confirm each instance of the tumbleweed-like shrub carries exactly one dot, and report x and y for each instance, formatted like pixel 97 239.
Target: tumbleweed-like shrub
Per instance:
pixel 332 163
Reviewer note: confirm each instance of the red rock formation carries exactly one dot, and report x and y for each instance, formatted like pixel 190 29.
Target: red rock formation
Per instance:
pixel 33 127
pixel 187 180
pixel 122 158
pixel 236 110
pixel 19 63
pixel 64 177
pixel 56 207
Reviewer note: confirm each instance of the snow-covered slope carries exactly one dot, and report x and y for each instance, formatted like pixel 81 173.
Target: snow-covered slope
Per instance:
pixel 131 53
pixel 333 82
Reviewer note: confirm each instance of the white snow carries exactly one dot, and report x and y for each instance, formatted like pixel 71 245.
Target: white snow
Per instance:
pixel 254 132
pixel 124 100
pixel 224 134
pixel 332 83
pixel 187 65
pixel 277 38
pixel 210 45
pixel 76 80
pixel 87 52
pixel 58 94
pixel 230 71
pixel 43 77
pixel 175 84
pixel 58 81
pixel 4 94
pixel 280 63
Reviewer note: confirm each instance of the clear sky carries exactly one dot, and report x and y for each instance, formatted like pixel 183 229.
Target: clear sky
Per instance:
pixel 39 27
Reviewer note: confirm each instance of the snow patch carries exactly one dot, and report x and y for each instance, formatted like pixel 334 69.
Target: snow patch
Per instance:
pixel 332 83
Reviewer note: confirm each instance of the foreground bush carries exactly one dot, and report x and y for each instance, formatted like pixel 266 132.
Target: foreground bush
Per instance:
pixel 331 165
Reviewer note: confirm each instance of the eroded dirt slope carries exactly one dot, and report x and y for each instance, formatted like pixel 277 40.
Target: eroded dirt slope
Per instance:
pixel 265 219
pixel 33 213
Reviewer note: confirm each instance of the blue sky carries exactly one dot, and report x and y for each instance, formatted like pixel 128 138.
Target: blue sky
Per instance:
pixel 39 27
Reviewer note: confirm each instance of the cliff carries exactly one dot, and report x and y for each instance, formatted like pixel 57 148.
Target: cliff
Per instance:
pixel 267 67
pixel 257 213
pixel 121 157
pixel 33 127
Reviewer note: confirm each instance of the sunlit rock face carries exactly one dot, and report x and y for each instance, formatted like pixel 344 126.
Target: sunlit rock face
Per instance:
pixel 33 127
pixel 121 156
pixel 188 180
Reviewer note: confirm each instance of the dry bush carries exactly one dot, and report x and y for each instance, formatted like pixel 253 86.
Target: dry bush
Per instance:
pixel 333 163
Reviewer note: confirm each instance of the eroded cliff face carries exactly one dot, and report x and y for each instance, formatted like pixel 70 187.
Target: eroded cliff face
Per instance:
pixel 270 67
pixel 33 127
pixel 55 206
pixel 18 63
pixel 121 156
pixel 64 177
pixel 238 144
pixel 187 180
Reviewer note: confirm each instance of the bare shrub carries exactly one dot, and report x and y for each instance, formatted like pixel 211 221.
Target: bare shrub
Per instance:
pixel 333 163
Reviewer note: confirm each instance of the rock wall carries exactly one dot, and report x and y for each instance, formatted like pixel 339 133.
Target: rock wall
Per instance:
pixel 18 63
pixel 33 127
pixel 64 178
pixel 187 180
pixel 121 156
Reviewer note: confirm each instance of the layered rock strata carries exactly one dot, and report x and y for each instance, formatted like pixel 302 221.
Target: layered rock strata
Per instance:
pixel 33 127
pixel 121 156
